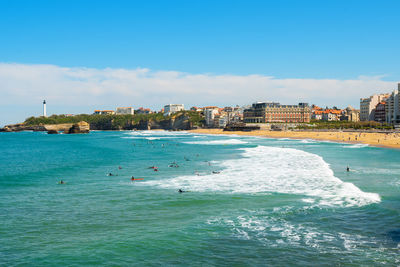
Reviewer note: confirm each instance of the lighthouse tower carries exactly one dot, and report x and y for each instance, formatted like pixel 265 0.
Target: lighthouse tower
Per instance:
pixel 44 108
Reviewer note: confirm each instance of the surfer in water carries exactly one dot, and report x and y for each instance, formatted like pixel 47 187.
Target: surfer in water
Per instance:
pixel 348 169
pixel 181 191
pixel 62 182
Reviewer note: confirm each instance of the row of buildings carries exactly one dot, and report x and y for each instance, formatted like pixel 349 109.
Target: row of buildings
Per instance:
pixel 335 114
pixel 220 117
pixel 381 107
pixel 260 112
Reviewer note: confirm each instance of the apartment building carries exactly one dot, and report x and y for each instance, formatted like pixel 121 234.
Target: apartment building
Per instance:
pixel 368 105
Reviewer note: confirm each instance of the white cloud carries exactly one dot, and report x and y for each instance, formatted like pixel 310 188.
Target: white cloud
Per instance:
pixel 22 84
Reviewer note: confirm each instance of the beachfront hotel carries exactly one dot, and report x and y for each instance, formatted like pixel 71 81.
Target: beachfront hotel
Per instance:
pixel 263 112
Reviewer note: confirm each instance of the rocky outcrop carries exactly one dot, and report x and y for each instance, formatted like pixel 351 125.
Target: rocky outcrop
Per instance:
pixel 80 127
pixel 22 127
pixel 64 127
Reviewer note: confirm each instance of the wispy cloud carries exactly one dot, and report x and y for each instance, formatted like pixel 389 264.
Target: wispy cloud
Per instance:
pixel 23 84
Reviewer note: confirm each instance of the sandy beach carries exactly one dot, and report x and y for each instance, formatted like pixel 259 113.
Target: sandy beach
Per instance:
pixel 391 140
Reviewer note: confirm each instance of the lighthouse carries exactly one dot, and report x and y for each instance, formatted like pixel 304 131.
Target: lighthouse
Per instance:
pixel 44 108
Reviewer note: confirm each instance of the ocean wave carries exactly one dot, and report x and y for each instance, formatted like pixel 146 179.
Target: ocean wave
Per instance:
pixel 307 141
pixel 218 142
pixel 157 133
pixel 279 170
pixel 356 146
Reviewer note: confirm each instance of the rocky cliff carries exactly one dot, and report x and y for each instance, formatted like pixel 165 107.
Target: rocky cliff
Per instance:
pixel 80 127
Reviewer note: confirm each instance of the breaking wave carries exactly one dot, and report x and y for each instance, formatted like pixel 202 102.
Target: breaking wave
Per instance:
pixel 218 142
pixel 357 146
pixel 266 169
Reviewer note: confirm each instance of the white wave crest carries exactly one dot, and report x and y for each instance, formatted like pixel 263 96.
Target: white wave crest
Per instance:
pixel 281 170
pixel 218 142
pixel 157 133
pixel 307 141
pixel 356 146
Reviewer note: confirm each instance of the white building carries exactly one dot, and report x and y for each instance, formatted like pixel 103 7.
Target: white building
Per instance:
pixel 367 106
pixel 393 107
pixel 172 108
pixel 209 114
pixel 125 111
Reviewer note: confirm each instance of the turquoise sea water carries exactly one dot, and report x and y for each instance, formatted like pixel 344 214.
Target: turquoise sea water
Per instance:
pixel 274 201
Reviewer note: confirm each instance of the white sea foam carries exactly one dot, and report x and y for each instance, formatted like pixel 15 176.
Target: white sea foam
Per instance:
pixel 218 142
pixel 307 141
pixel 276 231
pixel 282 170
pixel 356 146
pixel 157 133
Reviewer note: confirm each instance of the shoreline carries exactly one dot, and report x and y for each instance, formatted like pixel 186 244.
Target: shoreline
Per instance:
pixel 385 140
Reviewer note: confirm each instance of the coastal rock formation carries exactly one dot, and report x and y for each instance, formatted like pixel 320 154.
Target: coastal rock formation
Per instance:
pixel 63 127
pixel 22 127
pixel 80 127
pixel 174 122
pixel 52 132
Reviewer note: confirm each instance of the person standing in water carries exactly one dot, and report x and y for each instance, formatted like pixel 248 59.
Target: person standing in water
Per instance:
pixel 348 169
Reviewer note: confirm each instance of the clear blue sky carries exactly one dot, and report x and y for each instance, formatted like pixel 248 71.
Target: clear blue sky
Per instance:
pixel 296 39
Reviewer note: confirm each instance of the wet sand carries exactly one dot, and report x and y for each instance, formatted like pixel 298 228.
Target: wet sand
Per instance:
pixel 391 140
